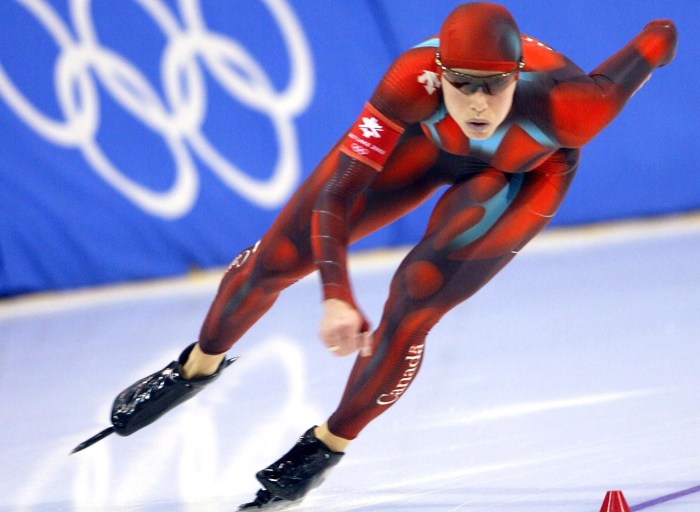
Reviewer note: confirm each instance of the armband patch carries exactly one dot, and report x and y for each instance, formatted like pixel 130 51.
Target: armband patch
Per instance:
pixel 372 138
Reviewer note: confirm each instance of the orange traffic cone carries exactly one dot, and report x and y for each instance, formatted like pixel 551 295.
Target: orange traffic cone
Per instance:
pixel 615 502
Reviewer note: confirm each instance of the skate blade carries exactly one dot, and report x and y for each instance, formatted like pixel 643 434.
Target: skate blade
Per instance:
pixel 97 437
pixel 266 501
pixel 270 507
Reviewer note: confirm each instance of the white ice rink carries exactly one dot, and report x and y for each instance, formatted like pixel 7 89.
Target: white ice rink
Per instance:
pixel 574 372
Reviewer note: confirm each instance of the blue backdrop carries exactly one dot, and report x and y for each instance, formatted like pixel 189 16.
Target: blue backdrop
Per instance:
pixel 148 138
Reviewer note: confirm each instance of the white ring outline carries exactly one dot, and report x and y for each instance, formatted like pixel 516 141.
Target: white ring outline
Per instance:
pixel 180 117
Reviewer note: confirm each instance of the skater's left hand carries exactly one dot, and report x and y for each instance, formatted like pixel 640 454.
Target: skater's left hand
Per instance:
pixel 344 330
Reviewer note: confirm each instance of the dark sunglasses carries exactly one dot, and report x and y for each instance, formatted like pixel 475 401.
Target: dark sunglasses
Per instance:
pixel 468 84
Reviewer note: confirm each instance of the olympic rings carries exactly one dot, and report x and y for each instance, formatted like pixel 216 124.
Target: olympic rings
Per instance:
pixel 190 52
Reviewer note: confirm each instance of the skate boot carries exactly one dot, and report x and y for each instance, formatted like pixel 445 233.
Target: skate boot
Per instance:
pixel 300 470
pixel 148 399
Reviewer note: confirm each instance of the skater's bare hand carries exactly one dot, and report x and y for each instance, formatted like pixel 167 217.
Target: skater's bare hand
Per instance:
pixel 343 329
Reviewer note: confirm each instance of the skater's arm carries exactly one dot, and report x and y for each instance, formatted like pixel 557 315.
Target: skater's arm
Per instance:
pixel 342 324
pixel 583 106
pixel 398 101
pixel 330 225
pixel 630 67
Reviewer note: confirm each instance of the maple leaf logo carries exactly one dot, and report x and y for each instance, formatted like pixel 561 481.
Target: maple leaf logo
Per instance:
pixel 371 128
pixel 430 81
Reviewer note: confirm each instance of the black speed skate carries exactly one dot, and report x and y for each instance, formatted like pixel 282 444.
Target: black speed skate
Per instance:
pixel 148 399
pixel 290 478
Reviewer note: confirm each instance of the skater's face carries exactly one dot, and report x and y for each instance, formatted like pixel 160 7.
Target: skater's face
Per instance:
pixel 478 106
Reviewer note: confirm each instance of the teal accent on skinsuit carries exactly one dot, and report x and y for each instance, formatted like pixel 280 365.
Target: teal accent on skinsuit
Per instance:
pixel 536 133
pixel 437 116
pixel 235 301
pixel 530 128
pixel 430 43
pixel 489 146
pixel 494 209
pixel 528 76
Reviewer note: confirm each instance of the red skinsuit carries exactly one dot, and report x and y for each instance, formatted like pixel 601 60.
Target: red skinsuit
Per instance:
pixel 500 193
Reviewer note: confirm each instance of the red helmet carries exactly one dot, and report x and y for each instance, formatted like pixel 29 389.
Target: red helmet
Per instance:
pixel 480 35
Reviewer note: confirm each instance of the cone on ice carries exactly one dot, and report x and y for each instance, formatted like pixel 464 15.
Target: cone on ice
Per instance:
pixel 615 502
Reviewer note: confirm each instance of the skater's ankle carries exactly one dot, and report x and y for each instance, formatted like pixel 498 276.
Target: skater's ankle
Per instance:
pixel 334 443
pixel 199 364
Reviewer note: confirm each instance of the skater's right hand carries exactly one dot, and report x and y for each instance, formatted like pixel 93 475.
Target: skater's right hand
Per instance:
pixel 344 330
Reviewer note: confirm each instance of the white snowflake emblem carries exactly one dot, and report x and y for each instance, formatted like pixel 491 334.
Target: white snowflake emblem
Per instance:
pixel 430 81
pixel 371 128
